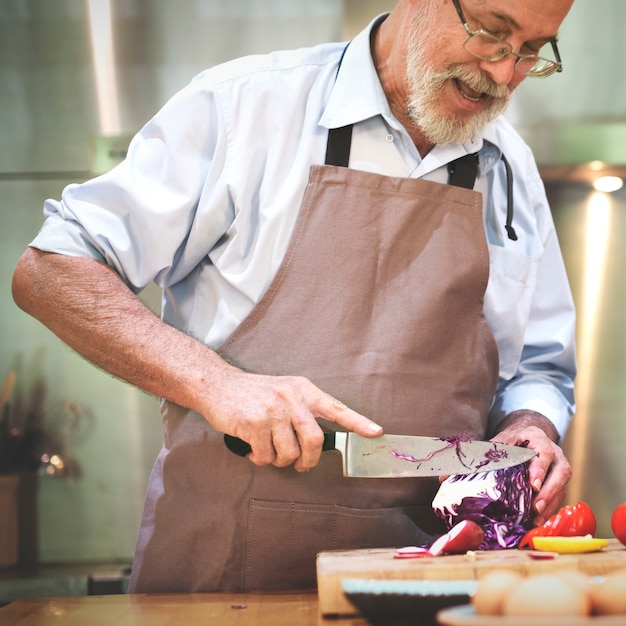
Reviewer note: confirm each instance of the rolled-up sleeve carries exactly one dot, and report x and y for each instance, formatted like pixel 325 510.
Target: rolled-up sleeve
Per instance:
pixel 142 218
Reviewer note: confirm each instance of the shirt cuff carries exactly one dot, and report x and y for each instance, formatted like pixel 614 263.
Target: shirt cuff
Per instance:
pixel 540 398
pixel 64 237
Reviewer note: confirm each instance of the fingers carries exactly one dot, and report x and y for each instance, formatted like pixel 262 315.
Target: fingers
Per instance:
pixel 549 471
pixel 550 484
pixel 310 440
pixel 296 441
pixel 282 429
pixel 335 411
pixel 300 442
pixel 310 436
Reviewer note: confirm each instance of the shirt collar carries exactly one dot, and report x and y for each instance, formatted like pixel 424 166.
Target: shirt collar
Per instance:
pixel 485 144
pixel 490 152
pixel 358 95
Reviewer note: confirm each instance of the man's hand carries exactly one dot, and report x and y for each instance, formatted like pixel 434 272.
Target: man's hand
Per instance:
pixel 549 471
pixel 277 416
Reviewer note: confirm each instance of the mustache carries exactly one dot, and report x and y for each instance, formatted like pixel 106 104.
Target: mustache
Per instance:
pixel 476 81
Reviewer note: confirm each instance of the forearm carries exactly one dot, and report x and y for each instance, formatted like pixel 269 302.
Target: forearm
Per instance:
pixel 88 307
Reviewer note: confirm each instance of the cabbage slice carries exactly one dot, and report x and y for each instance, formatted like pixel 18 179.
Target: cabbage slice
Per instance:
pixel 499 501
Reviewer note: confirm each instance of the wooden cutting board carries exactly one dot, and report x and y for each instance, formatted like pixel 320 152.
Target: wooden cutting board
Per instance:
pixel 380 564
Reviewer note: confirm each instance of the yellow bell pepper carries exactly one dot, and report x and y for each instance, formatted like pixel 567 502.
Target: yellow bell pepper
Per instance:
pixel 569 545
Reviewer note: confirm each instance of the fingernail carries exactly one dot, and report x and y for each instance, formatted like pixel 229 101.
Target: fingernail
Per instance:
pixel 537 485
pixel 375 429
pixel 540 505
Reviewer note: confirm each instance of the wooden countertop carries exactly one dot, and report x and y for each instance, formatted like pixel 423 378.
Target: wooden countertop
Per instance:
pixel 172 610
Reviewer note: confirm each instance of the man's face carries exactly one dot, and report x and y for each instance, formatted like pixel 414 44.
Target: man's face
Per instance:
pixel 449 102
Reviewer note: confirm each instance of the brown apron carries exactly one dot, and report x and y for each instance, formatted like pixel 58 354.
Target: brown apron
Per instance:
pixel 379 302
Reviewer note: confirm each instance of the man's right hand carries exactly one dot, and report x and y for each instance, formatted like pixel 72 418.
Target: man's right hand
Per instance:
pixel 277 416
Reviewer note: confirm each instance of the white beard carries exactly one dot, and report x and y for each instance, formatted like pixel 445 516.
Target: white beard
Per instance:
pixel 427 84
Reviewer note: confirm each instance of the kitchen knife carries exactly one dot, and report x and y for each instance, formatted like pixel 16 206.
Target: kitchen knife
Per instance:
pixel 404 456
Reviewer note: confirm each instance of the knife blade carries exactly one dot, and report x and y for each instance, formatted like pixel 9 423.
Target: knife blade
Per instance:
pixel 405 456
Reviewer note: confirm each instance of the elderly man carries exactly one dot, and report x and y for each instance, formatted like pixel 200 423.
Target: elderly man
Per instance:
pixel 348 237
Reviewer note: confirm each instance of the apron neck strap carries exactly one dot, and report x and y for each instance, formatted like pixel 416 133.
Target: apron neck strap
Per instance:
pixel 338 146
pixel 462 172
pixel 339 139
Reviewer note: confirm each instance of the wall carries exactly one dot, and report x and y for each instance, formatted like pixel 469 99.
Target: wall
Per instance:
pixel 592 229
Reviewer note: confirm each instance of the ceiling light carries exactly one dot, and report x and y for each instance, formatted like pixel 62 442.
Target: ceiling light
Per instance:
pixel 608 183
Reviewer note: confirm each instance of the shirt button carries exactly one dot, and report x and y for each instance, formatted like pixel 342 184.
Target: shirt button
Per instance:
pixel 389 138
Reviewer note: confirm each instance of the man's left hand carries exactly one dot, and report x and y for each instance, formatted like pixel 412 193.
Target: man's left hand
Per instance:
pixel 550 470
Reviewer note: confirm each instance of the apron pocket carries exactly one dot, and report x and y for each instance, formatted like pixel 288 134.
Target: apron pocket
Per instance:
pixel 285 537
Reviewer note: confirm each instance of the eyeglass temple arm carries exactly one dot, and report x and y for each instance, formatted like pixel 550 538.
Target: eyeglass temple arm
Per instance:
pixel 457 6
pixel 557 56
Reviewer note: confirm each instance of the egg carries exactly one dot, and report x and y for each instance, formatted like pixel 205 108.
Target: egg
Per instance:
pixel 608 595
pixel 576 578
pixel 547 595
pixel 492 589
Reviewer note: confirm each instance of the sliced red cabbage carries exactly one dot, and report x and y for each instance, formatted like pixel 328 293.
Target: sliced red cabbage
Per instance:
pixel 499 501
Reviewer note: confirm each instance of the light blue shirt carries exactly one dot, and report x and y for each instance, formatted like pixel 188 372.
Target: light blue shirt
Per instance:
pixel 205 204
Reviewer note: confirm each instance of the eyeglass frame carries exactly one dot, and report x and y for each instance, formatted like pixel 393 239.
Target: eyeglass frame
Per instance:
pixel 481 32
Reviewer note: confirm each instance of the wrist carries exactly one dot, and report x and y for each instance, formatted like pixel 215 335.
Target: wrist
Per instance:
pixel 523 418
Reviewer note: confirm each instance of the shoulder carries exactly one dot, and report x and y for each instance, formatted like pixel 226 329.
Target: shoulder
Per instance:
pixel 264 87
pixel 251 96
pixel 297 66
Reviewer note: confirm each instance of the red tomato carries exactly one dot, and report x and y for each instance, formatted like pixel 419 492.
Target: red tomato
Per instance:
pixel 568 521
pixel 583 521
pixel 618 522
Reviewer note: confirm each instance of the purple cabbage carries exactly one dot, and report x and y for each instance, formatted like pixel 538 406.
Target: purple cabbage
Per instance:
pixel 499 501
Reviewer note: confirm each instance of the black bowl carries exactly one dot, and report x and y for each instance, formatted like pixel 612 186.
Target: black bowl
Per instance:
pixel 415 600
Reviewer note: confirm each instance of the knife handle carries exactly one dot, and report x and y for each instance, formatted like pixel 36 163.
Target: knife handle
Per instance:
pixel 236 445
pixel 242 448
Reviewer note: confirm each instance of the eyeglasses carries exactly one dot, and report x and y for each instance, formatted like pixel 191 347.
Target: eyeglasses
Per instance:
pixel 489 47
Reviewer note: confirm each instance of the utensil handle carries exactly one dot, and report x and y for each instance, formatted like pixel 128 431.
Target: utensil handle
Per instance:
pixel 242 448
pixel 236 445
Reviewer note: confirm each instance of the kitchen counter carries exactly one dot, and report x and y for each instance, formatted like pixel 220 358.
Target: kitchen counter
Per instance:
pixel 297 609
pixel 49 581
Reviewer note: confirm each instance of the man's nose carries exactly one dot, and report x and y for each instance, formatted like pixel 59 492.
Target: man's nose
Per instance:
pixel 502 72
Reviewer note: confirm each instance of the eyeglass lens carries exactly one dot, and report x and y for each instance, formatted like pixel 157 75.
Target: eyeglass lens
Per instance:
pixel 490 48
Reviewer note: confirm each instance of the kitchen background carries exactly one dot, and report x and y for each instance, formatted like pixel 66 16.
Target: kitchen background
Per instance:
pixel 77 77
